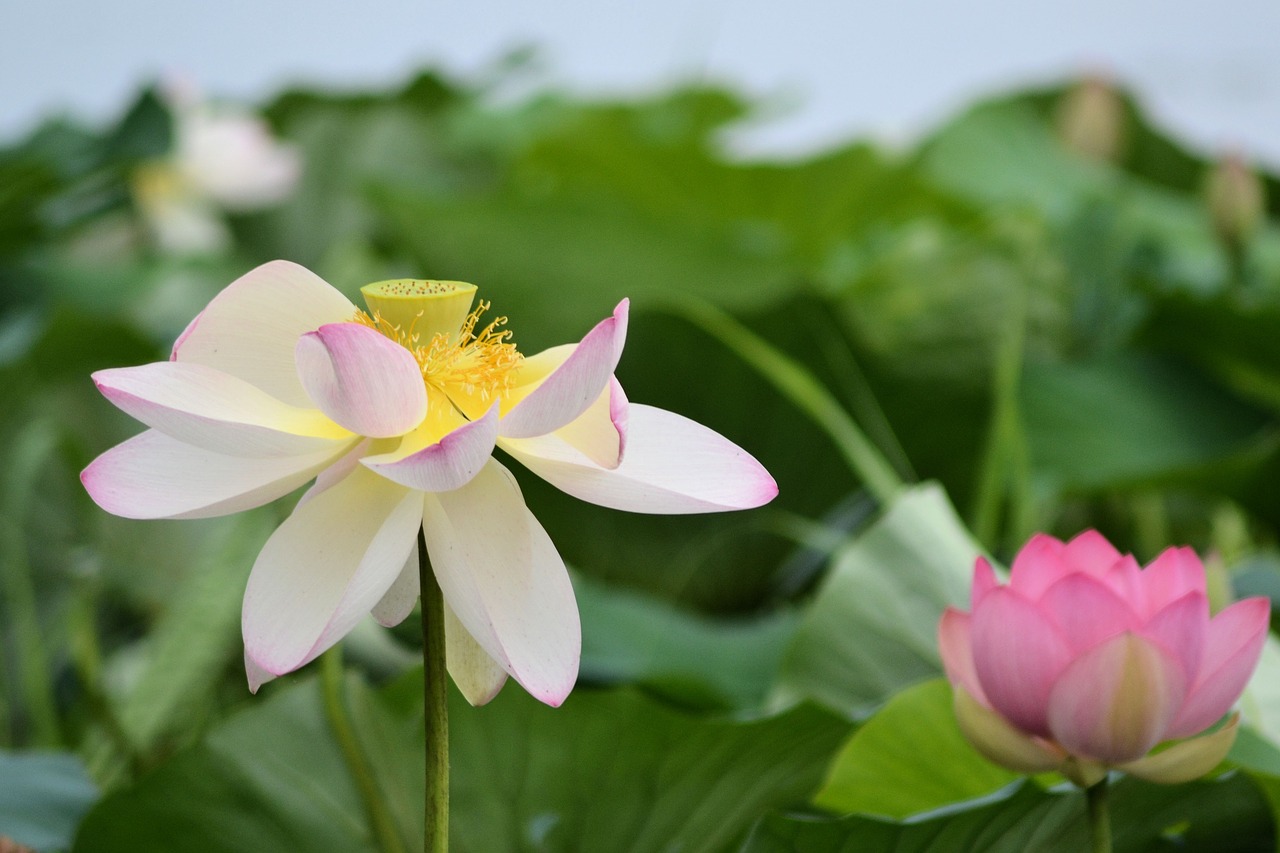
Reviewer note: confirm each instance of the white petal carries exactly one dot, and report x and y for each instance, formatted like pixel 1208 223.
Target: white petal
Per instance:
pixel 366 382
pixel 397 603
pixel 154 476
pixel 213 410
pixel 478 676
pixel 672 466
pixel 325 568
pixel 505 582
pixel 443 465
pixel 574 384
pixel 250 328
pixel 338 471
pixel 256 675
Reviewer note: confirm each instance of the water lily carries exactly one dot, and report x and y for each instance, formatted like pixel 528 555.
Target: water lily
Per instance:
pixel 1084 661
pixel 395 413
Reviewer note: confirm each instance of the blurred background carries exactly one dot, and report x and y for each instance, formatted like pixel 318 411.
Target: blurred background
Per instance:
pixel 954 273
pixel 825 69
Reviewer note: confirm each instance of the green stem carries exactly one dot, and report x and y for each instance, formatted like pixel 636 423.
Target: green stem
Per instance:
pixel 435 708
pixel 384 828
pixel 1099 816
pixel 997 478
pixel 31 659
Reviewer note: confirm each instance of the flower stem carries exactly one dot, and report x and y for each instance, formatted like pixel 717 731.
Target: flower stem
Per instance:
pixel 436 706
pixel 1099 816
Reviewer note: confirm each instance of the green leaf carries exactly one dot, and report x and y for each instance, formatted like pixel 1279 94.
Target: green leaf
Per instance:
pixel 190 647
pixel 270 779
pixel 872 626
pixel 1005 153
pixel 909 758
pixel 1227 814
pixel 616 771
pixel 699 660
pixel 607 771
pixel 1129 420
pixel 42 797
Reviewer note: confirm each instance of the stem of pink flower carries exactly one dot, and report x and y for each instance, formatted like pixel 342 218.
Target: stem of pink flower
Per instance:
pixel 435 695
pixel 1099 816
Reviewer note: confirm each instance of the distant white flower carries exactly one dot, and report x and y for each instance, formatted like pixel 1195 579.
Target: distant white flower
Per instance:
pixel 224 159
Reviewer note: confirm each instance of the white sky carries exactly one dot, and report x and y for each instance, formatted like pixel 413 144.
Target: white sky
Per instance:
pixel 1209 70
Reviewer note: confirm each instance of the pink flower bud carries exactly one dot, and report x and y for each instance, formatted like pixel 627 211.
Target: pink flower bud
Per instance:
pixel 1092 121
pixel 1236 199
pixel 1085 661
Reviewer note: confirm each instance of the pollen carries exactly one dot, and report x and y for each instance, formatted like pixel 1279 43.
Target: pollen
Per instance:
pixel 473 363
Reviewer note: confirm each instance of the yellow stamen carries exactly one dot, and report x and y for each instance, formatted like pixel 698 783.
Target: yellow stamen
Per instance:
pixel 470 363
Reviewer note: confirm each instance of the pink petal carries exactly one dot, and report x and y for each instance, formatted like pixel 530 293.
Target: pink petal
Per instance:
pixel 957 652
pixel 1125 579
pixel 1170 576
pixel 672 466
pixel 1087 611
pixel 478 676
pixel 1037 565
pixel 362 380
pixel 503 579
pixel 446 465
pixel 325 568
pixel 574 385
pixel 1115 702
pixel 397 602
pixel 984 580
pixel 250 328
pixel 215 411
pixel 154 476
pixel 1090 552
pixel 1231 651
pixel 1018 652
pixel 1182 627
pixel 1000 742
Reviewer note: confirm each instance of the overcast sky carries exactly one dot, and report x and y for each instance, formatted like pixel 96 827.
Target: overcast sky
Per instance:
pixel 1208 69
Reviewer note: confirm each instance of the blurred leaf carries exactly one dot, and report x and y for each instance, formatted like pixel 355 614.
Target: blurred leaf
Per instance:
pixel 909 758
pixel 347 143
pixel 1236 338
pixel 144 133
pixel 42 797
pixel 1228 814
pixel 1261 701
pixel 588 252
pixel 871 629
pixel 270 779
pixel 1128 420
pixel 1004 152
pixel 607 771
pixel 698 660
pixel 197 636
pixel 615 771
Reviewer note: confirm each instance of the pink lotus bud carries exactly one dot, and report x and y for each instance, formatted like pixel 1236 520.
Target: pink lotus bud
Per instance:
pixel 1091 120
pixel 1236 199
pixel 1083 661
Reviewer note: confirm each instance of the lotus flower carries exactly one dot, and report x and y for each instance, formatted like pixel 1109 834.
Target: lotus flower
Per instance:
pixel 1084 661
pixel 224 160
pixel 395 413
